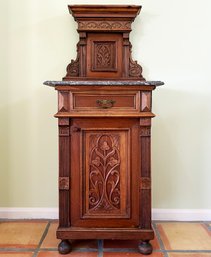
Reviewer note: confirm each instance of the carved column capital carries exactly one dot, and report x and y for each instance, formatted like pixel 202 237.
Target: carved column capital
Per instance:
pixel 64 129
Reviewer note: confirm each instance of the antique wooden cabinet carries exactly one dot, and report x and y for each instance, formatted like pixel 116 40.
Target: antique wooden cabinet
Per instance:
pixel 104 116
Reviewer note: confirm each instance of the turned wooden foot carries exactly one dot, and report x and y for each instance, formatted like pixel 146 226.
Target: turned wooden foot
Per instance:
pixel 64 247
pixel 145 247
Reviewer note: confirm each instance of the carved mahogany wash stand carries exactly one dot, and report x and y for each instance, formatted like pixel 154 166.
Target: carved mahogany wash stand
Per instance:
pixel 104 116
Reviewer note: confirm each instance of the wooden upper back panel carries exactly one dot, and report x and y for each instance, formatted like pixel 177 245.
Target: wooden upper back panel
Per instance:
pixel 104 49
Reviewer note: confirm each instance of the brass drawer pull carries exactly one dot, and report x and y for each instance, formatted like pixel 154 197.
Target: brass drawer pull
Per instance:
pixel 105 104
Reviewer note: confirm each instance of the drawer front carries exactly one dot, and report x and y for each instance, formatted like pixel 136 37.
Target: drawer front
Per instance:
pixel 106 101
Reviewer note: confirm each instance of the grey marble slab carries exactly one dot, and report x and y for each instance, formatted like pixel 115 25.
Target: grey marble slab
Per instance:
pixel 103 83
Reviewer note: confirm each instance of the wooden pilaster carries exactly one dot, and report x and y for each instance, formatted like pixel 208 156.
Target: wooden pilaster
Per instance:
pixel 64 172
pixel 145 173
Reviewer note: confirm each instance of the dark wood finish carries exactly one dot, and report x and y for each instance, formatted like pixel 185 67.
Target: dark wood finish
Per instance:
pixel 104 134
pixel 108 233
pixel 145 247
pixel 64 247
pixel 64 171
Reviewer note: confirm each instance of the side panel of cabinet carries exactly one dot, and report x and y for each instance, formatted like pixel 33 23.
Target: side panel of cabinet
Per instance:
pixel 104 173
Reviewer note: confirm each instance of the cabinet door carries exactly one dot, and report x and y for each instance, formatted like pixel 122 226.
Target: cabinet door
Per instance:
pixel 104 172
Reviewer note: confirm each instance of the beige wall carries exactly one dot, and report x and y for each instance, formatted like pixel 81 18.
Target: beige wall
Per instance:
pixel 171 40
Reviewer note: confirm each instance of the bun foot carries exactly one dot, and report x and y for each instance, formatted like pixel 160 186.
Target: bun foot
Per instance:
pixel 145 247
pixel 64 247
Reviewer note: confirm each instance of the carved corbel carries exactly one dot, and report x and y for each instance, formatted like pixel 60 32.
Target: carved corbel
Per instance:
pixel 73 67
pixel 135 70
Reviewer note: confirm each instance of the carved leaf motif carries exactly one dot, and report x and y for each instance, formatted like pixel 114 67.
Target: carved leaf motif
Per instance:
pixel 103 56
pixel 104 173
pixel 96 161
pixel 112 161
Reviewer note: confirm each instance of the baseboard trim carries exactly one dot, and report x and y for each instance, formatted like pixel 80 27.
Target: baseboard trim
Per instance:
pixel 157 214
pixel 182 214
pixel 28 213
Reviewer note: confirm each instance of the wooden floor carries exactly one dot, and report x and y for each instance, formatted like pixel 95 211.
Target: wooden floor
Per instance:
pixel 35 238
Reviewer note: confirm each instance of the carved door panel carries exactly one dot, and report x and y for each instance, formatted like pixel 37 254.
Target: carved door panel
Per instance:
pixel 104 173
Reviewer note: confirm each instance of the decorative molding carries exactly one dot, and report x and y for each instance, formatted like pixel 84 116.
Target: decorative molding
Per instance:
pixel 146 101
pixel 64 183
pixel 104 25
pixel 145 183
pixel 157 214
pixel 63 105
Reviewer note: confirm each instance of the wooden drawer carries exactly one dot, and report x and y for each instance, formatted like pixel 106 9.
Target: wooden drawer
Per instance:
pixel 106 101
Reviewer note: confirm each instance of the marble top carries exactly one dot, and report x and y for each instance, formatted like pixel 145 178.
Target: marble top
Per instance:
pixel 103 83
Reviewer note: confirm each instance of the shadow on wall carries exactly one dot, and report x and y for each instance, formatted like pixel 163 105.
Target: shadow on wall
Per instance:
pixel 28 130
pixel 180 148
pixel 4 156
pixel 30 153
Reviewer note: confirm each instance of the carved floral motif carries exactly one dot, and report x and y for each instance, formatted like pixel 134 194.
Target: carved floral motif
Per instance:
pixel 104 173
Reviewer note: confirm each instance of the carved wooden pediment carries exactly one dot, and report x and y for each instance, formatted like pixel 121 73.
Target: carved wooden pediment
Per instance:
pixel 104 49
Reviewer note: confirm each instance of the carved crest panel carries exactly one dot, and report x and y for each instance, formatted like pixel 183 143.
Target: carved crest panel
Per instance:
pixel 102 25
pixel 106 174
pixel 104 56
